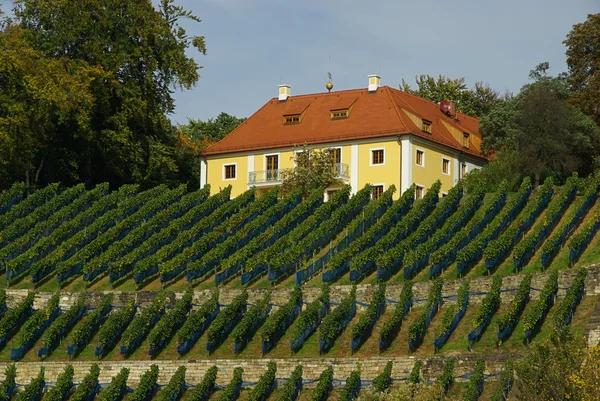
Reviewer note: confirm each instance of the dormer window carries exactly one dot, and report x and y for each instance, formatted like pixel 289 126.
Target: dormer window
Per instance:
pixel 426 126
pixel 339 114
pixel 293 119
pixel 466 140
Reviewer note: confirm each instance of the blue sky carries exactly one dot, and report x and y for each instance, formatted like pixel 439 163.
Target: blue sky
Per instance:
pixel 253 45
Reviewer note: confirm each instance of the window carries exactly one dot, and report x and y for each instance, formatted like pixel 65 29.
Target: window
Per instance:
pixel 444 194
pixel 336 154
pixel 466 140
pixel 419 192
pixel 463 171
pixel 295 119
pixel 420 160
pixel 426 126
pixel 230 171
pixel 377 191
pixel 272 164
pixel 446 166
pixel 377 156
pixel 330 193
pixel 339 114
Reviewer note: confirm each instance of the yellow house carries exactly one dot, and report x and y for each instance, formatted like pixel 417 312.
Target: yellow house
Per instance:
pixel 380 136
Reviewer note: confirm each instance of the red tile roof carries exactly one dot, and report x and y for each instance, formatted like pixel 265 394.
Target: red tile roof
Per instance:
pixel 372 115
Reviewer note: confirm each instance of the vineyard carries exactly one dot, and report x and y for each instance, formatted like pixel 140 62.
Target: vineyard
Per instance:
pixel 274 278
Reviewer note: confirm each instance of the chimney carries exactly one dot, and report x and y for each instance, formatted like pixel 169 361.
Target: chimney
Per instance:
pixel 448 107
pixel 284 92
pixel 374 82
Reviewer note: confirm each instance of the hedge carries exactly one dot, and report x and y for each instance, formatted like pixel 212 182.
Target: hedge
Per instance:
pixel 166 327
pixel 141 325
pixel 362 329
pixel 204 390
pixel 63 385
pixel 280 320
pixel 88 387
pixel 117 387
pixel 265 384
pixel 391 328
pixel 147 386
pixel 508 321
pixel 196 323
pixel 324 385
pixel 335 322
pixel 309 319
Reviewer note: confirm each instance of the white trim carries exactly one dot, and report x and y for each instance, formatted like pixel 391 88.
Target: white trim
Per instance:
pixel 278 160
pixel 444 194
pixel 423 151
pixel 203 172
pixel 419 185
pixel 456 169
pixel 371 150
pixel 354 168
pixel 223 170
pixel 406 164
pixel 449 165
pixel 341 152
pixel 378 185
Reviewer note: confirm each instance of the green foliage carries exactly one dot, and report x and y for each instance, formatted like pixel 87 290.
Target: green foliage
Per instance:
pixel 278 320
pixel 383 381
pixel 569 302
pixel 230 392
pixel 35 322
pixel 84 330
pixel 87 385
pixel 34 390
pixel 505 382
pixel 116 388
pixel 579 239
pixel 26 207
pixel 368 319
pixel 143 322
pixel 263 388
pixel 245 329
pixel 447 378
pixel 175 386
pixel 324 385
pixel 226 316
pixel 110 331
pixel 415 373
pixel 419 325
pixel 289 388
pixel 351 387
pixel 12 316
pixel 167 325
pixel 453 309
pixel 196 318
pixel 147 385
pixel 205 133
pixel 472 392
pixel 489 304
pixel 203 391
pixel 534 314
pixel 7 386
pixel 311 314
pixel 511 316
pixel 63 385
pixel 391 327
pixel 331 326
pixel 58 328
pixel 17 189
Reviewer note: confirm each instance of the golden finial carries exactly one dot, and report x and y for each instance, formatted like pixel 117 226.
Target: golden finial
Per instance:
pixel 329 85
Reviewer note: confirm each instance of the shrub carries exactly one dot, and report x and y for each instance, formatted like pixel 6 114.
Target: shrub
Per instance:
pixel 167 326
pixel 111 330
pixel 63 385
pixel 309 319
pixel 8 385
pixel 252 319
pixel 196 322
pixel 392 326
pixel 324 385
pixel 14 317
pixel 34 390
pixel 510 318
pixel 368 319
pixel 175 388
pixel 226 320
pixel 232 391
pixel 568 304
pixel 415 373
pixel 417 329
pixel 488 306
pixel 147 385
pixel 535 315
pixel 86 328
pixel 144 322
pixel 475 383
pixel 263 388
pixel 203 391
pixel 58 329
pixel 384 380
pixel 505 382
pixel 352 387
pixel 117 387
pixel 336 321
pixel 292 386
pixel 447 377
pixel 88 386
pixel 281 319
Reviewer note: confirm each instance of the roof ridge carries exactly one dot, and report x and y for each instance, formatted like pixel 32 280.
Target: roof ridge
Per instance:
pixel 324 93
pixel 395 107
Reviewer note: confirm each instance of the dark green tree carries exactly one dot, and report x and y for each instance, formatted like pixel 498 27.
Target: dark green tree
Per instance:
pixel 583 59
pixel 205 133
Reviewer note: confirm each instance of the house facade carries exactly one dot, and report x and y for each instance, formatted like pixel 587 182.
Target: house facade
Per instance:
pixel 377 135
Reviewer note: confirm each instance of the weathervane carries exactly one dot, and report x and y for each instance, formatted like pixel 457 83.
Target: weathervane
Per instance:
pixel 329 85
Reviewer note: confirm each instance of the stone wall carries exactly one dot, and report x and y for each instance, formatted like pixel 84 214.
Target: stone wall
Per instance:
pixel 364 292
pixel 254 368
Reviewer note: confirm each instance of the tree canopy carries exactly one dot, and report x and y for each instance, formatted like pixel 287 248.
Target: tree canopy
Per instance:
pixel 205 133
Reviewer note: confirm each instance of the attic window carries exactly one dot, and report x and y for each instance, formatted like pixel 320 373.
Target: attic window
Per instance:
pixel 466 140
pixel 339 114
pixel 426 126
pixel 293 119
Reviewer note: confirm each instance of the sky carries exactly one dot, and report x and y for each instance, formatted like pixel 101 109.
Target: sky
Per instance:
pixel 254 45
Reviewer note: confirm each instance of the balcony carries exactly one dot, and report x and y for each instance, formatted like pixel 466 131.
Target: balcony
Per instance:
pixel 275 176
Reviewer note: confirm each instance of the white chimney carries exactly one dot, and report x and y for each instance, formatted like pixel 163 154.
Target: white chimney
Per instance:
pixel 284 92
pixel 374 82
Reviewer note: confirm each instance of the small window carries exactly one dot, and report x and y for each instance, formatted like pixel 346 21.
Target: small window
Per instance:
pixel 444 194
pixel 377 156
pixel 377 191
pixel 463 171
pixel 426 126
pixel 295 119
pixel 446 166
pixel 336 154
pixel 420 158
pixel 339 114
pixel 419 192
pixel 466 140
pixel 230 171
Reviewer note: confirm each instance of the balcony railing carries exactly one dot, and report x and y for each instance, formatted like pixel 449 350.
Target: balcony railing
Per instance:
pixel 275 176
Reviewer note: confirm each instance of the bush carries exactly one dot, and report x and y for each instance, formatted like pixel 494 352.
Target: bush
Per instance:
pixel 175 388
pixel 232 391
pixel 535 315
pixel 281 319
pixel 226 320
pixel 265 385
pixel 488 306
pixel 203 391
pixel 86 328
pixel 59 328
pixel 505 382
pixel 8 385
pixel 196 322
pixel 510 318
pixel 392 326
pixel 352 387
pixel 447 378
pixel 252 319
pixel 324 385
pixel 31 330
pixel 417 329
pixel 63 385
pixel 117 387
pixel 34 390
pixel 147 385
pixel 334 323
pixel 384 380
pixel 168 325
pixel 144 322
pixel 368 319
pixel 309 319
pixel 110 332
pixel 292 387
pixel 415 373
pixel 567 306
pixel 14 317
pixel 475 383
pixel 87 388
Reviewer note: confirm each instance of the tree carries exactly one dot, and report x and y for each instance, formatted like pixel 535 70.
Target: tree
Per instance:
pixel 315 169
pixel 583 59
pixel 548 134
pixel 205 133
pixel 137 55
pixel 474 102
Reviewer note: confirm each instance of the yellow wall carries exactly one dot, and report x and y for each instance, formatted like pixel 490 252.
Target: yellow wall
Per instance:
pixel 285 159
pixel 432 170
pixel 215 175
pixel 388 173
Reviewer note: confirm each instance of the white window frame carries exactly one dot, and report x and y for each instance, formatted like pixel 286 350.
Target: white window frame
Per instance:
pixel 422 186
pixel 272 154
pixel 449 165
pixel 423 151
pixel 371 157
pixel 236 171
pixel 342 152
pixel 444 194
pixel 378 184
